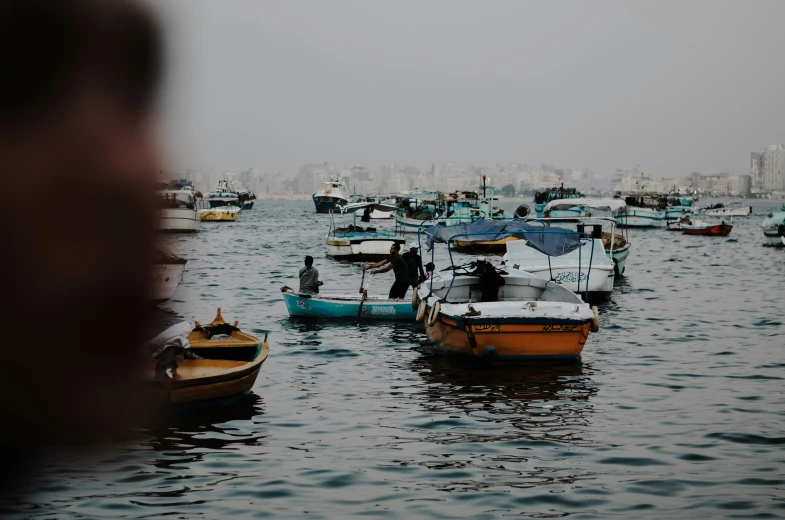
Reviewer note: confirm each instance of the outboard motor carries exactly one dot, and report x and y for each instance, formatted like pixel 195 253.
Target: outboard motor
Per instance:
pixel 596 231
pixel 582 228
pixel 522 211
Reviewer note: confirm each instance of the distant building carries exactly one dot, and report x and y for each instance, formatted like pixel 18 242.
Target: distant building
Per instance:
pixel 766 169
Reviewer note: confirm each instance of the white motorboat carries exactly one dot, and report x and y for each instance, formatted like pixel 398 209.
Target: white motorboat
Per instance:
pixel 332 197
pixel 617 249
pixel 167 274
pixel 587 270
pixel 642 210
pixel 726 210
pixel 177 210
pixel 356 243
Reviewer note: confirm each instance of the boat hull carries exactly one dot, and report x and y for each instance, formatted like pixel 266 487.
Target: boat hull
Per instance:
pixel 641 218
pixel 342 307
pixel 328 203
pixel 166 278
pixel 177 220
pixel 619 257
pixel 600 280
pixel 248 204
pixel 200 380
pixel 220 214
pixel 727 212
pixel 720 230
pixel 676 212
pixel 509 340
pixel 410 225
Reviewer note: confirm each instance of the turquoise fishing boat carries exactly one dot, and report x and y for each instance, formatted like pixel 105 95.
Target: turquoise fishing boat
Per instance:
pixel 542 198
pixel 347 306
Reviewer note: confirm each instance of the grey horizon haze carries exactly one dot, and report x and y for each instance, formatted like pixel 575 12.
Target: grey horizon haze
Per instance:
pixel 673 87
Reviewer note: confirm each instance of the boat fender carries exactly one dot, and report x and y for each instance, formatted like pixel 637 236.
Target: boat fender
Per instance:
pixel 595 323
pixel 781 230
pixel 421 311
pixel 434 313
pixel 414 299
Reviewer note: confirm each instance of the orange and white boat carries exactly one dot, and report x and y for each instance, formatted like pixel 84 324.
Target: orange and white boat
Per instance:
pixel 532 319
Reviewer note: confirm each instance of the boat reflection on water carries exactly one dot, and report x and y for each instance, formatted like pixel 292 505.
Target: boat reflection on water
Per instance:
pixel 535 402
pixel 185 437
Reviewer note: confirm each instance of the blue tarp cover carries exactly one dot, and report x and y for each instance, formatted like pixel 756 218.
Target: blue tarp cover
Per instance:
pixel 552 241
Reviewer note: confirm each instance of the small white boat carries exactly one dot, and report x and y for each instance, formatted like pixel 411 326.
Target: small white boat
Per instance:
pixel 643 210
pixel 167 273
pixel 357 243
pixel 177 211
pixel 733 209
pixel 617 249
pixel 333 195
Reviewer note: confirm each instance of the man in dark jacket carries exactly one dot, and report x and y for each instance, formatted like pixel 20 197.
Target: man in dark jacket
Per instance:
pixel 414 263
pixel 398 265
pixel 309 278
pixel 489 284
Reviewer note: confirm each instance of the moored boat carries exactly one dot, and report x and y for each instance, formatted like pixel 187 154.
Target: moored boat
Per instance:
pixel 586 270
pixel 542 198
pixel 347 306
pixel 219 214
pixel 520 318
pixel 643 210
pixel 228 364
pixel 698 227
pixel 333 195
pixel 726 210
pixel 177 210
pixel 774 228
pixel 532 319
pixel 357 243
pixel 167 274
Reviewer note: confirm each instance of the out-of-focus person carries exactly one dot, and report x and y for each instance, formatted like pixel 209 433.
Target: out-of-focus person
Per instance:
pixel 78 154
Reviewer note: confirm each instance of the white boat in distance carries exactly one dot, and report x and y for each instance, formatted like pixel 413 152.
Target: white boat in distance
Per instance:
pixel 177 210
pixel 726 210
pixel 332 197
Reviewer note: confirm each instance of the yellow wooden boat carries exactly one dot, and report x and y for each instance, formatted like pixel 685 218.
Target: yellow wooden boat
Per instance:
pixel 225 213
pixel 230 367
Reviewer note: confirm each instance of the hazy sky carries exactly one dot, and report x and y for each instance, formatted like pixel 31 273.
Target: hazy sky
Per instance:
pixel 672 86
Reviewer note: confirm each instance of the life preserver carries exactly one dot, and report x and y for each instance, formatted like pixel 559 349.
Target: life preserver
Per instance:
pixel 414 298
pixel 595 323
pixel 434 313
pixel 421 311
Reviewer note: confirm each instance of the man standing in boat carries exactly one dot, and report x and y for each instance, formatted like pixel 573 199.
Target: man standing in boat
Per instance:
pixel 414 263
pixel 309 278
pixel 398 265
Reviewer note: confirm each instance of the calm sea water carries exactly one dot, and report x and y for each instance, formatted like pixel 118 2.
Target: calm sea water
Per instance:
pixel 676 410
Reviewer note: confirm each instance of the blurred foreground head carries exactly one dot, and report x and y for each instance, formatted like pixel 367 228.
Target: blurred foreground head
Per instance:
pixel 78 157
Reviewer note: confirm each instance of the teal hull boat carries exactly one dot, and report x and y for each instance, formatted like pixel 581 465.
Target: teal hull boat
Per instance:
pixel 348 306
